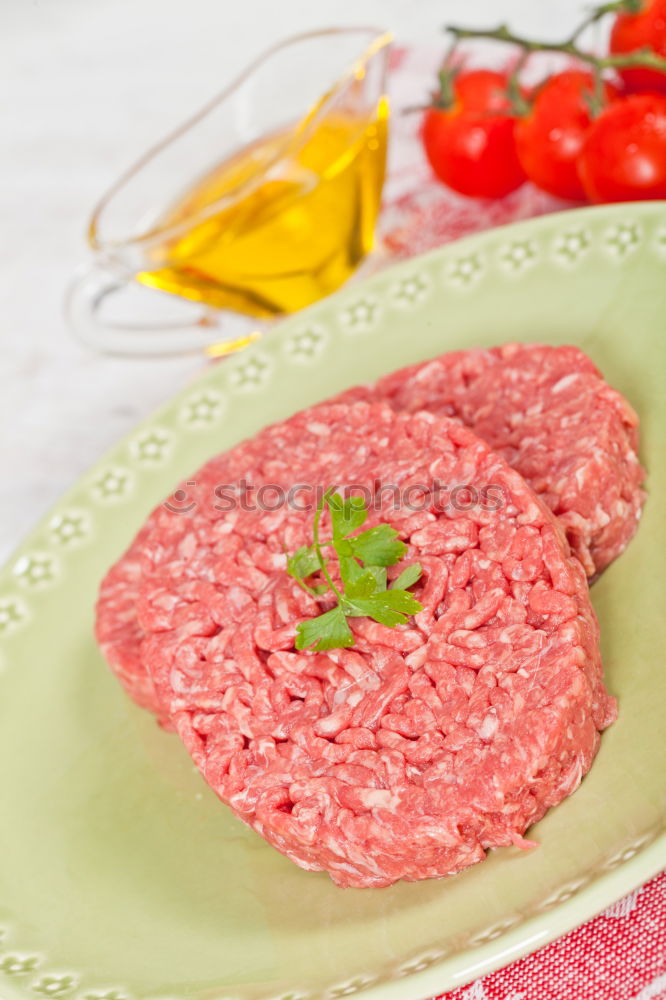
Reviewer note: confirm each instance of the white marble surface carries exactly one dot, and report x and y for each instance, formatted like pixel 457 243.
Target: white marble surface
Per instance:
pixel 87 85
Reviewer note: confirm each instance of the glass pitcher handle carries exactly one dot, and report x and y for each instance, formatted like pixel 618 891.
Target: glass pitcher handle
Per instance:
pixel 196 329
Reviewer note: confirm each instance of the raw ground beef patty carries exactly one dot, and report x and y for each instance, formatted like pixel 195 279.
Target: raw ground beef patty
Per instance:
pixel 545 409
pixel 549 413
pixel 410 754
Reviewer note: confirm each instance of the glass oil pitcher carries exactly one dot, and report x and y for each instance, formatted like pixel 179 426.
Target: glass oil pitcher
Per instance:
pixel 262 203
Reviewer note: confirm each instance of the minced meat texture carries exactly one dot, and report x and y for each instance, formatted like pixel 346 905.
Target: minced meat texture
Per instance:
pixel 549 413
pixel 412 753
pixel 117 627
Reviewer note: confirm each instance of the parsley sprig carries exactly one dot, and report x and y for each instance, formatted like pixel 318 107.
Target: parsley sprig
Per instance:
pixel 362 562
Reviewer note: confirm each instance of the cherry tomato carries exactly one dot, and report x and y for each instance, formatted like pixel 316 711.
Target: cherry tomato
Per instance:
pixel 471 146
pixel 550 138
pixel 646 29
pixel 624 155
pixel 482 90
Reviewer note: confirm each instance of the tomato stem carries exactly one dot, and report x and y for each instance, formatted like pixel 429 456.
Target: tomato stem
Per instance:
pixel 444 98
pixel 644 58
pixel 519 105
pixel 595 101
pixel 597 13
pixel 593 17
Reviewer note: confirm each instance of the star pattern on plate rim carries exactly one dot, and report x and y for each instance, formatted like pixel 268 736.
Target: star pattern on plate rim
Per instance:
pixel 151 446
pixel 54 984
pixel 465 270
pixel 13 614
pixel 411 290
pixel 113 484
pixel 623 238
pixel 360 314
pixel 306 345
pixel 35 570
pixel 351 987
pixel 519 255
pixel 19 965
pixel 572 245
pixel 69 528
pixel 203 408
pixel 251 374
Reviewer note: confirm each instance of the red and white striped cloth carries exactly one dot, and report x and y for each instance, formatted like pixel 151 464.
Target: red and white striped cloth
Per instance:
pixel 621 954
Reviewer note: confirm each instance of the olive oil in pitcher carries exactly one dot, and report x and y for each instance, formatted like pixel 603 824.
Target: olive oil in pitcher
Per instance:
pixel 276 230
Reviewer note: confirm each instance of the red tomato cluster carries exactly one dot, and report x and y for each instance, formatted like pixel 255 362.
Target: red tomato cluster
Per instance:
pixel 480 147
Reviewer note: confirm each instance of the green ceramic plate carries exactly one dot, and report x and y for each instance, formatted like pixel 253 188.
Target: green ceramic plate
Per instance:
pixel 121 875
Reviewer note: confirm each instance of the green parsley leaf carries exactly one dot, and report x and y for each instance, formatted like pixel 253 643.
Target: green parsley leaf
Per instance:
pixel 363 586
pixel 350 568
pixel 346 515
pixel 303 563
pixel 379 573
pixel 390 607
pixel 327 631
pixel 408 577
pixel 379 546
